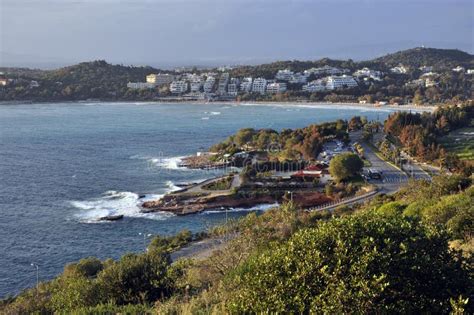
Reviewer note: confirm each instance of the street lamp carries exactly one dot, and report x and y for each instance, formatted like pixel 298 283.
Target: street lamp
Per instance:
pixel 291 195
pixel 37 277
pixel 145 235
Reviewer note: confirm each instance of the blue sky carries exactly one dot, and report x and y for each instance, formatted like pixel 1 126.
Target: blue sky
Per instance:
pixel 202 32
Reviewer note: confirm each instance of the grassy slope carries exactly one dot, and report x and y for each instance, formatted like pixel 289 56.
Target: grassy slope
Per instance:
pixel 460 142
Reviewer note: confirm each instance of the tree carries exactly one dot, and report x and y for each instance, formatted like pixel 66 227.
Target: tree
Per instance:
pixel 244 136
pixel 355 123
pixel 345 166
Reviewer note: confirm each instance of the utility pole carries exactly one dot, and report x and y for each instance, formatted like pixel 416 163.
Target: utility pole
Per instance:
pixel 144 239
pixel 37 278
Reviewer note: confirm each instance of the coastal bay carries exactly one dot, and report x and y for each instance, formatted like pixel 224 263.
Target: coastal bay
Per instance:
pixel 65 165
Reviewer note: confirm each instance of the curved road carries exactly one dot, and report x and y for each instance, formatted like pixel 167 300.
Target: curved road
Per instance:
pixel 392 177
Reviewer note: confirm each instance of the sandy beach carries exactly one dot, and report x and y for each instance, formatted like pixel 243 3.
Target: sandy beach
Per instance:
pixel 414 108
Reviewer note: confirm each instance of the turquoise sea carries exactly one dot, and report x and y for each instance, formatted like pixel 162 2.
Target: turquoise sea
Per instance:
pixel 63 165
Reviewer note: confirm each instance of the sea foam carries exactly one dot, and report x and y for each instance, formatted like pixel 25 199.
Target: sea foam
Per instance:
pixel 171 163
pixel 116 203
pixel 260 207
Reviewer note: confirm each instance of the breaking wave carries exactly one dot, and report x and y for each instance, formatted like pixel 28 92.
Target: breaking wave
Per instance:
pixel 116 203
pixel 171 163
pixel 261 207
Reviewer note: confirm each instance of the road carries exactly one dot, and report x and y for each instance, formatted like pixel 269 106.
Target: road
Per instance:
pixel 392 177
pixel 204 248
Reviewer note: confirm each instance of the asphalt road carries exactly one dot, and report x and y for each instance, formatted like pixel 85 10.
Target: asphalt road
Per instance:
pixel 392 177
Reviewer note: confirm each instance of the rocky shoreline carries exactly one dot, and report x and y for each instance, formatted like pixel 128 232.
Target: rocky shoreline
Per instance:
pixel 181 204
pixel 201 162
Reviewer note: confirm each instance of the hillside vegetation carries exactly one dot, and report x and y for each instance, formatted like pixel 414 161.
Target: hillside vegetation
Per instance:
pixel 102 81
pixel 420 56
pixel 406 253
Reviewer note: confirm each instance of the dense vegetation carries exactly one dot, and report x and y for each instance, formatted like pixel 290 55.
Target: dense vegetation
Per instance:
pixel 87 80
pixel 420 134
pixel 345 166
pixel 288 144
pixel 99 80
pixel 410 252
pixel 420 56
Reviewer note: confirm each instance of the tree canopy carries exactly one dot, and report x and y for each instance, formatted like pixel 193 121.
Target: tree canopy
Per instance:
pixel 345 166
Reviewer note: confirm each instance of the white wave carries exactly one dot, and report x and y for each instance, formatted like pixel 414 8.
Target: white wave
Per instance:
pixel 116 203
pixel 172 186
pixel 171 163
pixel 163 162
pixel 205 118
pixel 324 106
pixel 260 207
pixel 215 113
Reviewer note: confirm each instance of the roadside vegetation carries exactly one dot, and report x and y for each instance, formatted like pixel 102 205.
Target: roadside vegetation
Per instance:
pixel 410 252
pixel 424 137
pixel 303 143
pixel 461 143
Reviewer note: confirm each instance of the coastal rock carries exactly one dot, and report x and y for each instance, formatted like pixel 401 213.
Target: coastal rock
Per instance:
pixel 112 217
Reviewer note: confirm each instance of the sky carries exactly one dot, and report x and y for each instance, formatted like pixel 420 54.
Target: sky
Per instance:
pixel 168 33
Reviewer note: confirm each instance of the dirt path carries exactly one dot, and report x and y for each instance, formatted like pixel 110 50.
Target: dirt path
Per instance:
pixel 203 249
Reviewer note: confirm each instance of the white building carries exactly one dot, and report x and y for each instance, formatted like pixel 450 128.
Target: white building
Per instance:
pixel 223 81
pixel 191 77
pixel 209 84
pixel 470 71
pixel 298 78
pixel 225 68
pixel 366 72
pixel 233 87
pixel 314 86
pixel 415 83
pixel 275 88
pixel 196 86
pixel 430 82
pixel 140 85
pixel 246 85
pixel 323 70
pixel 337 82
pixel 179 87
pixel 284 75
pixel 430 74
pixel 399 70
pixel 426 69
pixel 3 81
pixel 160 78
pixel 459 69
pixel 34 84
pixel 259 85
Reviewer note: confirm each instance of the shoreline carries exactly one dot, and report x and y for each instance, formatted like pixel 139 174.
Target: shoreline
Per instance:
pixel 307 104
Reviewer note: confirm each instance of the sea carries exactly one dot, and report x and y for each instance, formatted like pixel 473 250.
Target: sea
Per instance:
pixel 64 165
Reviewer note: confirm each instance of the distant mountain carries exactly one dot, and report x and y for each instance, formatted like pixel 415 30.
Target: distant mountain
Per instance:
pixel 422 56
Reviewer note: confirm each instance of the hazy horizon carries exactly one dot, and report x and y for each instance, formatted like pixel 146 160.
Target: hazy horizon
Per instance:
pixel 166 34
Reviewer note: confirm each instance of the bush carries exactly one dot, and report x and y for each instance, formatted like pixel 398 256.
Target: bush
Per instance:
pixel 359 264
pixel 171 243
pixel 136 279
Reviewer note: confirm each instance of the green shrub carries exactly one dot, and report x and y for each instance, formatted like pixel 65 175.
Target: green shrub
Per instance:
pixel 366 263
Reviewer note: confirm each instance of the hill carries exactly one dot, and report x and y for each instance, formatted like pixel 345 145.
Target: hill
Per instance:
pixel 86 80
pixel 420 56
pixel 103 81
